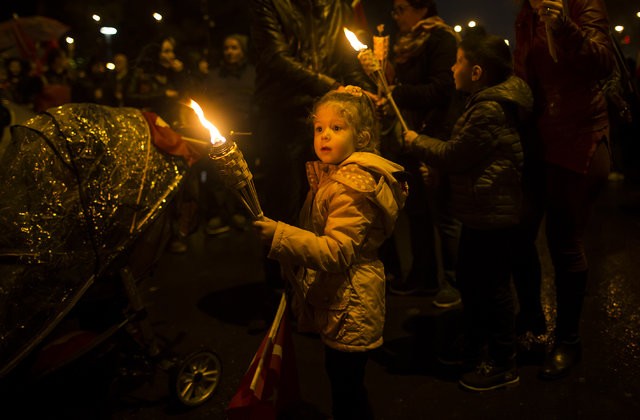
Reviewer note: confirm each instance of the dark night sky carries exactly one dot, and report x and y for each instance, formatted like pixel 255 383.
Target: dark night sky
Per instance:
pixel 184 18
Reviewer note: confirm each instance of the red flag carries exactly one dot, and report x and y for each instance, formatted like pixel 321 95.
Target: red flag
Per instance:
pixel 167 140
pixel 270 385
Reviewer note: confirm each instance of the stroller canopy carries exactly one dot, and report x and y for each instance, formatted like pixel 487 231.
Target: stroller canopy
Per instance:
pixel 77 185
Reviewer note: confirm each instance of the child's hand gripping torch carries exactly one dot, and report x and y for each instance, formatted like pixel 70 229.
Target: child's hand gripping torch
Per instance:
pixel 231 166
pixel 373 68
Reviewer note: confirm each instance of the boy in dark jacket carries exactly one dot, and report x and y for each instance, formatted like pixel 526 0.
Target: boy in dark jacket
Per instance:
pixel 484 161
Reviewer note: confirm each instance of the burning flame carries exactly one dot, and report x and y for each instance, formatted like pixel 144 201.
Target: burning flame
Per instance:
pixel 354 41
pixel 215 135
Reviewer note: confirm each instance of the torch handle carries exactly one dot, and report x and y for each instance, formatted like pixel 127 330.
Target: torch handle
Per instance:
pixel 387 93
pixel 550 43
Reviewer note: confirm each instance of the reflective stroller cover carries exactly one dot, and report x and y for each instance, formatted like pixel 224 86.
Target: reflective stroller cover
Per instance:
pixel 77 185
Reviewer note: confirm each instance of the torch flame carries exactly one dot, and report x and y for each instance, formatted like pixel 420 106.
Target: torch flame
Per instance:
pixel 354 41
pixel 215 135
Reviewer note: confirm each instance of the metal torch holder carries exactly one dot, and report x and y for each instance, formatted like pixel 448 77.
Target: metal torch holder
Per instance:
pixel 235 174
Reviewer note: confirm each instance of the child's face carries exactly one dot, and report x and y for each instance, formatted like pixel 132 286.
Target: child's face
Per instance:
pixel 462 72
pixel 333 137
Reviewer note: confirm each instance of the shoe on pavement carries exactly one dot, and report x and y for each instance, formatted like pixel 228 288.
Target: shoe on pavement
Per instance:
pixel 216 226
pixel 488 376
pixel 412 285
pixel 447 297
pixel 178 245
pixel 561 360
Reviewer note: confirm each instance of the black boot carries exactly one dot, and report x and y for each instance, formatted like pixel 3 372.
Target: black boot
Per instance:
pixel 570 291
pixel 562 358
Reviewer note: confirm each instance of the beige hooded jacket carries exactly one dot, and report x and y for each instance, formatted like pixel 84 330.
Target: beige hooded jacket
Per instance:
pixel 338 281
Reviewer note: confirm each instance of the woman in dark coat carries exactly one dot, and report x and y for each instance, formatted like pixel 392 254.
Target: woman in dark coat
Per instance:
pixel 563 50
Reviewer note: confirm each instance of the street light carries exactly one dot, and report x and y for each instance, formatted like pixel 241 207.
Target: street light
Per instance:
pixel 619 28
pixel 157 16
pixel 96 18
pixel 472 24
pixel 108 32
pixel 457 28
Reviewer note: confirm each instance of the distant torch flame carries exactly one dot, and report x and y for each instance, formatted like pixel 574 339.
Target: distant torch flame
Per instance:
pixel 215 135
pixel 354 41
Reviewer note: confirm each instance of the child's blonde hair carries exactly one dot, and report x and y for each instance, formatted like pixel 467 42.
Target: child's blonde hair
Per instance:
pixel 359 112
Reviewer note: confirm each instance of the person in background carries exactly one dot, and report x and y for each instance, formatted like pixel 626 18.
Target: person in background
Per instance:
pixel 160 84
pixel 55 84
pixel 563 51
pixel 20 86
pixel 117 81
pixel 339 288
pixel 423 88
pixel 228 92
pixel 484 159
pixel 301 54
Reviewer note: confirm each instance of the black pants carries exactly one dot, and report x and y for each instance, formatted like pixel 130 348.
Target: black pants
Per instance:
pixel 348 393
pixel 484 275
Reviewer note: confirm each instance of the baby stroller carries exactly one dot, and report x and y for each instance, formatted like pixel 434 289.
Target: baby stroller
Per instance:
pixel 82 222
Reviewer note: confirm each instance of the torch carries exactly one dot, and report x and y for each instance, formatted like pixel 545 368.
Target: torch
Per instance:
pixel 377 75
pixel 231 166
pixel 381 49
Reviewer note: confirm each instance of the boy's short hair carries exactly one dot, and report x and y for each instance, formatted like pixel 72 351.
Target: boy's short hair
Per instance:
pixel 359 111
pixel 490 52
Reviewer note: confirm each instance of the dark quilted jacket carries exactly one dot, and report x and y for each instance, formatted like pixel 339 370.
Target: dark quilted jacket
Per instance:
pixel 484 156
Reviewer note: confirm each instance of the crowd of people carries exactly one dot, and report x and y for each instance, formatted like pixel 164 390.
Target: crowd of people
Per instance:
pixel 491 142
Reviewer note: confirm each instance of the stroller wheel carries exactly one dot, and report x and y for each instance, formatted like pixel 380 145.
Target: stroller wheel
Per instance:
pixel 195 379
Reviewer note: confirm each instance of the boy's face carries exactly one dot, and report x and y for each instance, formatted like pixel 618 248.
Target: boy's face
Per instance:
pixel 333 138
pixel 462 72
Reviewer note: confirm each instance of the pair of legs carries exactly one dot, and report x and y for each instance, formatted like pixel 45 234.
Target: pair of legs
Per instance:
pixel 484 277
pixel 567 200
pixel 348 393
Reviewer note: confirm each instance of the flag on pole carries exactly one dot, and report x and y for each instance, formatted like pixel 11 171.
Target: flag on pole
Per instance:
pixel 270 385
pixel 167 140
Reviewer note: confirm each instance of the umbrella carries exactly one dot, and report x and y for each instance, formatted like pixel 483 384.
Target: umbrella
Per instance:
pixel 20 34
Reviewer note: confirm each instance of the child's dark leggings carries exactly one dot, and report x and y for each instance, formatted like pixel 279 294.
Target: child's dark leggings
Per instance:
pixel 348 393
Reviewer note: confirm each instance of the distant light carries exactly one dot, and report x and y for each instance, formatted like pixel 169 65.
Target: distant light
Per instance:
pixel 96 18
pixel 108 30
pixel 619 28
pixel 110 66
pixel 70 40
pixel 457 28
pixel 157 16
pixel 472 24
pixel 506 41
pixel 626 40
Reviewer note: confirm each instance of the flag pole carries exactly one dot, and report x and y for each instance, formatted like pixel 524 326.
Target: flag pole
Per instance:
pixel 272 333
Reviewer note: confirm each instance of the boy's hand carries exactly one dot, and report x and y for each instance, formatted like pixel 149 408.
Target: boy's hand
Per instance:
pixel 429 175
pixel 409 137
pixel 265 228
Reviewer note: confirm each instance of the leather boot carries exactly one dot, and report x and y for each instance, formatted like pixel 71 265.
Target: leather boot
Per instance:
pixel 570 291
pixel 562 358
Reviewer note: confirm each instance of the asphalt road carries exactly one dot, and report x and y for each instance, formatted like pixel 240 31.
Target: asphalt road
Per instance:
pixel 206 298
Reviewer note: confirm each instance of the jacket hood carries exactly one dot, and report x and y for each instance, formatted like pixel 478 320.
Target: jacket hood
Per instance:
pixel 387 192
pixel 389 195
pixel 513 90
